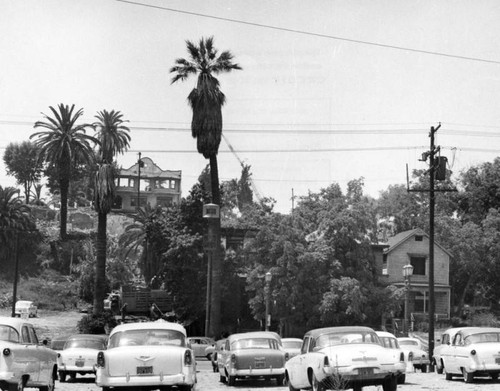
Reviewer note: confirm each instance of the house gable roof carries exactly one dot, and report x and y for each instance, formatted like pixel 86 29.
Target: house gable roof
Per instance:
pixel 402 237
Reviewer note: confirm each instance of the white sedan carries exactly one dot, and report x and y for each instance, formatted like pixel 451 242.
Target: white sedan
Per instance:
pixel 147 355
pixel 79 355
pixel 26 308
pixel 414 351
pixel 473 352
pixel 25 362
pixel 343 357
pixel 390 341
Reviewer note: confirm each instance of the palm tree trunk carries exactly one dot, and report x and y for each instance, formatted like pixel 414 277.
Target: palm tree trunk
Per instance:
pixel 100 268
pixel 215 305
pixel 64 186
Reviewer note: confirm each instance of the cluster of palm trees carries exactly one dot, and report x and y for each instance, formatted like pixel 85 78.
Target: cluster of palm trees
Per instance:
pixel 64 144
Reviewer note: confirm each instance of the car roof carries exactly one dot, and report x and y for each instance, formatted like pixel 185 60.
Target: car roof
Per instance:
pixel 341 329
pixel 479 330
pixel 291 339
pixel 158 324
pixel 385 334
pixel 14 322
pixel 24 302
pixel 254 334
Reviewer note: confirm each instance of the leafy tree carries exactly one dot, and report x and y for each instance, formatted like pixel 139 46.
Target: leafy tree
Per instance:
pixel 22 161
pixel 480 191
pixel 15 222
pixel 113 138
pixel 206 101
pixel 62 144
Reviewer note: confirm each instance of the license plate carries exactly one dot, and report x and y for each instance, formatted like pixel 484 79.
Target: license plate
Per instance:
pixel 144 370
pixel 80 363
pixel 260 364
pixel 365 371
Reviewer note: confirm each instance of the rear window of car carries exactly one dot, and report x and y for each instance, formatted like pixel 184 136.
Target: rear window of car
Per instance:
pixel 85 344
pixel 345 338
pixel 292 344
pixel 8 333
pixel 482 337
pixel 149 337
pixel 255 343
pixel 408 343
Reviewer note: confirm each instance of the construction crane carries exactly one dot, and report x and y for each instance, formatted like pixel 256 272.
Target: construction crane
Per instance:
pixel 252 183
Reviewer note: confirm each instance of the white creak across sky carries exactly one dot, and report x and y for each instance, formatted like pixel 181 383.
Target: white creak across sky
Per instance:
pixel 330 91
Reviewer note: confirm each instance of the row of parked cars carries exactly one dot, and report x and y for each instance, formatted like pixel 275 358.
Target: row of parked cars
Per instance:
pixel 159 354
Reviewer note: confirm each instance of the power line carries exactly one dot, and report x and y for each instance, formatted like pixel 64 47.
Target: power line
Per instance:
pixel 254 24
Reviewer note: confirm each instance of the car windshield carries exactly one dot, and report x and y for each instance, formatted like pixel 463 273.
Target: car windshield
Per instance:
pixel 342 338
pixel 147 337
pixel 292 344
pixel 389 342
pixel 255 343
pixel 85 344
pixel 8 333
pixel 482 337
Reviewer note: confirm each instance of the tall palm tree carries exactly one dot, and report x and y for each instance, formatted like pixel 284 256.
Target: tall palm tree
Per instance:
pixel 64 144
pixel 113 139
pixel 206 101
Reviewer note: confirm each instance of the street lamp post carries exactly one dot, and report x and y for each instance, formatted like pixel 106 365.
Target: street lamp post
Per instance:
pixel 267 293
pixel 407 273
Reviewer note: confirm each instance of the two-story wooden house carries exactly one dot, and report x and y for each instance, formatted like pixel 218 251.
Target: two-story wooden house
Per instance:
pixel 412 247
pixel 147 184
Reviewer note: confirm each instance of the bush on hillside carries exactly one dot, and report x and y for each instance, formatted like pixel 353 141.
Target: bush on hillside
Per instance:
pixel 96 324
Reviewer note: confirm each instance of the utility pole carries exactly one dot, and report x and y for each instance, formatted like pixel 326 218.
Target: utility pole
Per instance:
pixel 431 190
pixel 139 163
pixel 432 307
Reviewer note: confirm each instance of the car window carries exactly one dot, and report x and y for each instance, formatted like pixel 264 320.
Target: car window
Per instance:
pixel 482 337
pixel 25 335
pixel 408 342
pixel 147 337
pixel 33 336
pixel 8 333
pixel 341 338
pixel 292 344
pixel 255 343
pixel 305 345
pixel 85 344
pixel 458 340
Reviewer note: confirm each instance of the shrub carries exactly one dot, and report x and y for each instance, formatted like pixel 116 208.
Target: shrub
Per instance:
pixel 96 324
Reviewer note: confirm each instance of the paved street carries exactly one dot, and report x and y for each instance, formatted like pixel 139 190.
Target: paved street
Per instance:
pixel 209 381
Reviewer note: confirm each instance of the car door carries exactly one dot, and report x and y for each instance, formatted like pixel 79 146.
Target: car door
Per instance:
pixel 45 355
pixel 451 364
pixel 28 356
pixel 298 366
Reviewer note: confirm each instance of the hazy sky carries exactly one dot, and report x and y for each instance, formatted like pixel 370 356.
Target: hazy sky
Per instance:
pixel 330 90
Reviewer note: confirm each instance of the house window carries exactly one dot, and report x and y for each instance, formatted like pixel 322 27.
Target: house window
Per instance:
pixel 418 263
pixel 419 238
pixel 172 184
pixel 421 302
pixel 384 264
pixel 131 182
pixel 164 201
pixel 133 201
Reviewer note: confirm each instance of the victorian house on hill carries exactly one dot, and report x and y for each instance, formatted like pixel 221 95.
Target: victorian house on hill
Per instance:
pixel 147 184
pixel 412 248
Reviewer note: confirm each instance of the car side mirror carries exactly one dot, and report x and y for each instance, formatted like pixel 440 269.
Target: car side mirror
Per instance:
pixel 45 342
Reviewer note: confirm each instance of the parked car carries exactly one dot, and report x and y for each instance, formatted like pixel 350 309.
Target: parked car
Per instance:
pixel 26 308
pixel 79 355
pixel 147 355
pixel 413 347
pixel 255 354
pixel 25 362
pixel 390 341
pixel 213 351
pixel 343 357
pixel 444 344
pixel 199 344
pixel 292 346
pixel 473 352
